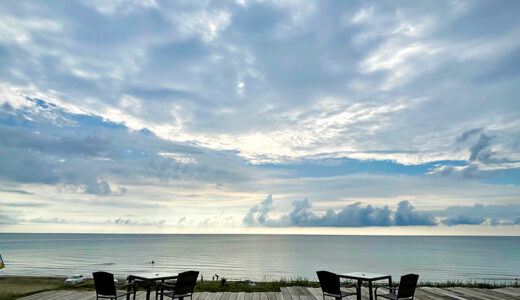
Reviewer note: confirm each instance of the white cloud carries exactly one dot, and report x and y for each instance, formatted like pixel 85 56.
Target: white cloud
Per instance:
pixel 184 159
pixel 208 25
pixel 121 6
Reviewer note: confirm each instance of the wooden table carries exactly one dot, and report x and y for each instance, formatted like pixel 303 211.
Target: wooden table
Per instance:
pixel 370 277
pixel 149 279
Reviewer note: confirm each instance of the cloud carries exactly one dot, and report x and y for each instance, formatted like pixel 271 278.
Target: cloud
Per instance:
pixel 55 220
pixel 121 6
pixel 353 215
pixel 24 204
pixel 478 150
pixel 101 187
pixel 6 219
pixel 14 191
pixel 131 222
pixel 406 216
pixel 71 155
pixel 357 215
pixel 463 220
pixel 509 211
pixel 371 73
pixel 258 213
pixel 465 135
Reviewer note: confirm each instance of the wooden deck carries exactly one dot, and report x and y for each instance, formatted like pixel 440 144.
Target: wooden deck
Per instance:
pixel 303 293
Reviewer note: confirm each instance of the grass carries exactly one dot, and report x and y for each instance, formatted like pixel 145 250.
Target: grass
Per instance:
pixel 16 287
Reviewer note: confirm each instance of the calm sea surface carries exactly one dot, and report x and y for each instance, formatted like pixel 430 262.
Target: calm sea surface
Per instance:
pixel 263 257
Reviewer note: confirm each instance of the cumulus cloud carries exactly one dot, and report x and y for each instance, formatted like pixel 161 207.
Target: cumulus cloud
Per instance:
pixel 354 215
pixel 357 215
pixel 479 211
pixel 257 215
pixel 405 216
pixel 463 220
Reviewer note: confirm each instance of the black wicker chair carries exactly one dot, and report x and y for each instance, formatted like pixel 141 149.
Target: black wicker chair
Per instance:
pixel 183 286
pixel 405 290
pixel 106 287
pixel 330 285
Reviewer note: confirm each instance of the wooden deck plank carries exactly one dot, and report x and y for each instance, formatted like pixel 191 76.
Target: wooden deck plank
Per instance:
pixel 241 296
pixel 196 296
pixel 213 296
pixel 86 296
pixel 66 295
pixel 316 292
pixel 468 293
pixel 233 296
pixel 225 296
pixel 248 296
pixel 445 294
pixel 424 295
pixel 491 294
pixel 507 292
pixel 304 291
pixel 218 295
pixel 285 293
pixel 294 292
pixel 263 296
pixel 204 295
pixel 271 296
pixel 513 290
pixel 36 296
pixel 43 295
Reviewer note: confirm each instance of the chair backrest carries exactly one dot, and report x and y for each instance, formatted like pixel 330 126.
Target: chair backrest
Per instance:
pixel 407 286
pixel 329 282
pixel 104 283
pixel 185 283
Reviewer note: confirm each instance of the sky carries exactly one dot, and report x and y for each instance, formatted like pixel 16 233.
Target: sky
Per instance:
pixel 306 117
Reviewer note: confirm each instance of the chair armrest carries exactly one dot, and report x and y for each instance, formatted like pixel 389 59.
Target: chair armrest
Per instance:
pixel 163 285
pixel 348 285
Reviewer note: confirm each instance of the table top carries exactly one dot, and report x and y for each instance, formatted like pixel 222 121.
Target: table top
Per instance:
pixel 153 276
pixel 364 276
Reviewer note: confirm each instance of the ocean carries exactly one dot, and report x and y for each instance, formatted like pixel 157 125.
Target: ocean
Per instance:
pixel 263 257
